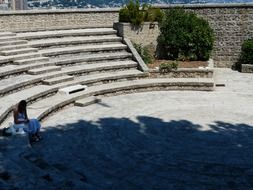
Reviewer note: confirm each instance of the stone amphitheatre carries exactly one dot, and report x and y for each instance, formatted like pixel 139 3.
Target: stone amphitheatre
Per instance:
pixel 128 129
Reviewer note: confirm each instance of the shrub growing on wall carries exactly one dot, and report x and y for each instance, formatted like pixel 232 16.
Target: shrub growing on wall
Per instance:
pixel 136 14
pixel 184 36
pixel 246 55
pixel 144 52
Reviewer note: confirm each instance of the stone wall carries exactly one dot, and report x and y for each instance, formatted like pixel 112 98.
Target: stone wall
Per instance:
pixel 232 24
pixel 56 19
pixel 146 34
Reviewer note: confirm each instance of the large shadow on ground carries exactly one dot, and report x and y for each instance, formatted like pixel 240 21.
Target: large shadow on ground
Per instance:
pixel 149 153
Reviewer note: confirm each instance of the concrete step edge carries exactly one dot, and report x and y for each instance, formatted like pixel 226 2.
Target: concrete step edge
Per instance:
pixel 57 80
pixel 63 33
pixel 44 70
pixel 31 60
pixel 13 47
pixel 94 48
pixel 63 41
pixel 18 51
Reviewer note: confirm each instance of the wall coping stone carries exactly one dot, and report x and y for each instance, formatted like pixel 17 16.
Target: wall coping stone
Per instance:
pixel 187 6
pixel 58 11
pixel 205 6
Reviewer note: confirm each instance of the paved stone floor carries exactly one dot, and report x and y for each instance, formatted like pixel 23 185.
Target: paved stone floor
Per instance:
pixel 159 140
pixel 153 141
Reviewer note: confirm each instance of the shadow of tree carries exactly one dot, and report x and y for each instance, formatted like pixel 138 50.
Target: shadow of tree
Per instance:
pixel 149 153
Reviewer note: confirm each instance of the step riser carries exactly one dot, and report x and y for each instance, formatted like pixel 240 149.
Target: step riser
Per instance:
pixel 69 35
pixel 58 81
pixel 6 34
pixel 31 61
pixel 100 70
pixel 18 52
pixel 64 52
pixel 95 59
pixel 18 42
pixel 3 39
pixel 112 79
pixel 43 71
pixel 13 47
pixel 21 57
pixel 65 44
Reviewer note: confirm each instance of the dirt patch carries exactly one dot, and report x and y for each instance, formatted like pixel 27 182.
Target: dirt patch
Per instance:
pixel 181 64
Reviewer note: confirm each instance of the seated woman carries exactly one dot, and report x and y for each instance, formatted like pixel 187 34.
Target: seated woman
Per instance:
pixel 21 121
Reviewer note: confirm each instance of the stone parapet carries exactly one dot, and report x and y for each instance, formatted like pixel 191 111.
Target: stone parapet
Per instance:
pixel 57 19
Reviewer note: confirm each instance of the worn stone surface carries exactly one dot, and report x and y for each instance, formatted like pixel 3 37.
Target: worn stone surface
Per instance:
pixel 247 68
pixel 159 140
pixel 155 140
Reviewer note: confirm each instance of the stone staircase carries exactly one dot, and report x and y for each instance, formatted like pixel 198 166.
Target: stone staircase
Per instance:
pixel 35 65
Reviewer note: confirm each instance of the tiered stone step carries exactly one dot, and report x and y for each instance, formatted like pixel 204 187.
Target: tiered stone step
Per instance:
pixel 65 33
pixel 13 42
pixel 4 34
pixel 94 57
pixel 38 91
pixel 57 101
pixel 57 80
pixel 10 70
pixel 13 47
pixel 73 41
pixel 75 70
pixel 31 60
pixel 38 62
pixel 18 51
pixel 43 70
pixel 23 165
pixel 5 59
pixel 79 49
pixel 8 38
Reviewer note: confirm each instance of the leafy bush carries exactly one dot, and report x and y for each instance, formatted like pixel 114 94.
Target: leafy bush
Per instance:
pixel 184 36
pixel 144 52
pixel 246 56
pixel 167 67
pixel 136 14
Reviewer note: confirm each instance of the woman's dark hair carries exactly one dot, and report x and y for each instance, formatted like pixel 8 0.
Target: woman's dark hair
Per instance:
pixel 22 106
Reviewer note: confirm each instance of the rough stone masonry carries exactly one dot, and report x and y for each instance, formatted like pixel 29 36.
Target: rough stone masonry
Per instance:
pixel 232 24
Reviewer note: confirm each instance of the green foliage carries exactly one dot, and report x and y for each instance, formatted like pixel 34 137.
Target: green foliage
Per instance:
pixel 167 67
pixel 136 14
pixel 246 56
pixel 144 52
pixel 184 36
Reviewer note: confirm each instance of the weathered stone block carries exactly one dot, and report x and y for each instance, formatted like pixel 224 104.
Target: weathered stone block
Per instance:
pixel 247 68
